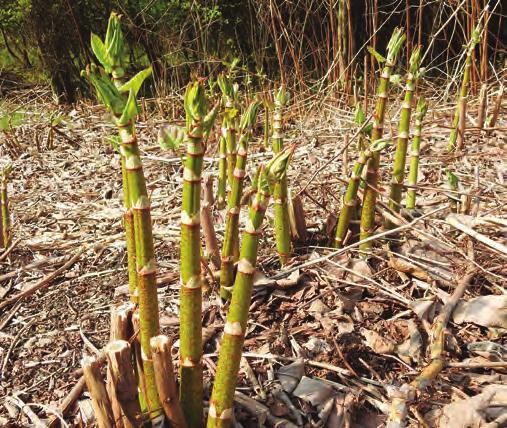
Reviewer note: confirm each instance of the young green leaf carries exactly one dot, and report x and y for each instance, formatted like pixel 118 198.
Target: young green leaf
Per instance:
pixel 130 111
pixel 115 141
pixel 380 145
pixel 231 113
pixel 380 59
pixel 195 101
pixel 106 91
pixel 114 39
pixel 100 51
pixel 452 179
pixel 415 60
pixel 262 182
pixel 422 106
pixel 395 79
pixel 395 43
pixel 277 167
pixel 233 65
pixel 136 81
pixel 170 137
pixel 359 116
pixel 209 120
pixel 225 85
pixel 249 116
pixel 282 97
pixel 7 170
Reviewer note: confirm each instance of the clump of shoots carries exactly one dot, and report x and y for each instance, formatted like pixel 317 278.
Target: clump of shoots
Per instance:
pixel 191 388
pixel 456 136
pixel 400 155
pixel 120 99
pixel 5 215
pixel 222 397
pixel 280 190
pixel 231 236
pixel 350 199
pixel 370 193
pixel 421 110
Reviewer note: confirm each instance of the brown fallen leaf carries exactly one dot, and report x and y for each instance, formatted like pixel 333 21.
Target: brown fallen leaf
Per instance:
pixel 313 391
pixel 487 311
pixel 379 344
pixel 475 412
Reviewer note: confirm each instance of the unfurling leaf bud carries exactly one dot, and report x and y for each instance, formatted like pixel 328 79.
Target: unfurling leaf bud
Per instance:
pixel 170 137
pixel 249 116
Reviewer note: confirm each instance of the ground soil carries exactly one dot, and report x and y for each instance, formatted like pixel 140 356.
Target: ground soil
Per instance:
pixel 345 317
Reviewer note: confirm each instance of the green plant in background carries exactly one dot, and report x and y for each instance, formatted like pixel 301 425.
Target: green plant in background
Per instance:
pixel 458 123
pixel 280 189
pixel 222 172
pixel 267 121
pixel 453 183
pixel 170 137
pixel 229 121
pixel 370 193
pixel 281 100
pixel 400 155
pixel 221 411
pixel 350 199
pixel 10 119
pixel 421 110
pixel 231 236
pixel 5 214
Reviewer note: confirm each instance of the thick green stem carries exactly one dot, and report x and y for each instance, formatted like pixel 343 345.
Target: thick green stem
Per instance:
pixel 277 137
pixel 400 155
pixel 222 173
pixel 461 105
pixel 370 193
pixel 221 411
pixel 145 258
pixel 267 118
pixel 128 224
pixel 280 192
pixel 350 199
pixel 414 154
pixel 231 236
pixel 458 123
pixel 231 149
pixel 191 388
pixel 282 220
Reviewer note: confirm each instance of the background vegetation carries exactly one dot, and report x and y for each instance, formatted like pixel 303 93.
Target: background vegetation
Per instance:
pixel 298 41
